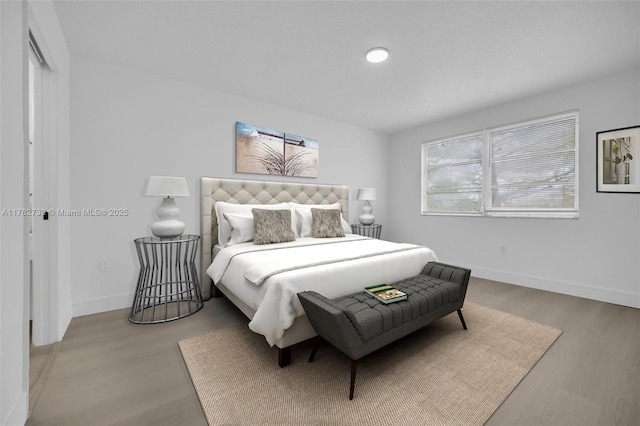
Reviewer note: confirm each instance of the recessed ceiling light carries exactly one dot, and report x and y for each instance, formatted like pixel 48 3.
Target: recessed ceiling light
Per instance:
pixel 377 54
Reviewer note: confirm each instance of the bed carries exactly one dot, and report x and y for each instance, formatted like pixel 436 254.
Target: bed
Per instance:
pixel 263 280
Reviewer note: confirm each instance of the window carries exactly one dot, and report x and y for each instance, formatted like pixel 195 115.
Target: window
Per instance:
pixel 453 175
pixel 528 169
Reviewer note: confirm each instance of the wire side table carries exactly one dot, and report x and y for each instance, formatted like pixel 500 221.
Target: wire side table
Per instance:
pixel 372 231
pixel 168 288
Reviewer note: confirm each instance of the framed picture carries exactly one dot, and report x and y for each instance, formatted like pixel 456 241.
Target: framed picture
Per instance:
pixel 267 151
pixel 618 160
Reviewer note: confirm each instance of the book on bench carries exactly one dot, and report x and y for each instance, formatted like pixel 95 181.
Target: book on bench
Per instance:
pixel 385 293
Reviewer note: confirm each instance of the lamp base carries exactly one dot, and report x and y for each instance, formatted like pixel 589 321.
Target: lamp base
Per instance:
pixel 167 228
pixel 168 225
pixel 366 218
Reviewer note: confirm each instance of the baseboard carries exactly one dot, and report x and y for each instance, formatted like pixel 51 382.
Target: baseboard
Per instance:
pixel 102 304
pixel 623 298
pixel 617 297
pixel 19 412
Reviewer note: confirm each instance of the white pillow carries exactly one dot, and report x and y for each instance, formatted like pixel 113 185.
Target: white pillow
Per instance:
pixel 241 228
pixel 304 218
pixel 222 207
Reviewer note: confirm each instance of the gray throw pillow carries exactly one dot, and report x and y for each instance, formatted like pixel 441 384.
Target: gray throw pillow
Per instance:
pixel 326 223
pixel 272 226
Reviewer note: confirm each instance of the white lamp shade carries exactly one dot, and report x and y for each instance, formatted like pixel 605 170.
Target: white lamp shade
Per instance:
pixel 367 194
pixel 167 186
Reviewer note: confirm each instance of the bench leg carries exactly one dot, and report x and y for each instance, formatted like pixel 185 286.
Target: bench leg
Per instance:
pixel 462 319
pixel 316 344
pixel 354 367
pixel 284 356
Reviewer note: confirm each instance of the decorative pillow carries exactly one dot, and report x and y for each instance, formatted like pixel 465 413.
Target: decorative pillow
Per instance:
pixel 326 223
pixel 272 226
pixel 304 218
pixel 241 228
pixel 224 228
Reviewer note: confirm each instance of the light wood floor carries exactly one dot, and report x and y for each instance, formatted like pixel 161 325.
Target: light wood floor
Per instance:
pixel 111 372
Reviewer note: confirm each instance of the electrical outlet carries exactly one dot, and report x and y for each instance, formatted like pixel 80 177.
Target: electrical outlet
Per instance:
pixel 503 250
pixel 103 266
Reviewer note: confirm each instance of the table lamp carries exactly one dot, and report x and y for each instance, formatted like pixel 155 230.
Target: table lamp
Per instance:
pixel 168 212
pixel 367 194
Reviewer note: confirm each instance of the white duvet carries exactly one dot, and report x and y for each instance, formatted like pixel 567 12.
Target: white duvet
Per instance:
pixel 267 278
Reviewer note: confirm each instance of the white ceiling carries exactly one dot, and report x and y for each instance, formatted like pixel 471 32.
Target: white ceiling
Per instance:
pixel 447 58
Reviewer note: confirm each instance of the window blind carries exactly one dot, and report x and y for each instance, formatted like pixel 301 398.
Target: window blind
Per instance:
pixel 453 181
pixel 533 166
pixel 523 169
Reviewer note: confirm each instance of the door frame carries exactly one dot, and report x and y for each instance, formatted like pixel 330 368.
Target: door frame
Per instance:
pixel 44 310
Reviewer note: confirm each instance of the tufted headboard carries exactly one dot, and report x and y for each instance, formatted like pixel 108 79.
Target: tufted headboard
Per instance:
pixel 238 191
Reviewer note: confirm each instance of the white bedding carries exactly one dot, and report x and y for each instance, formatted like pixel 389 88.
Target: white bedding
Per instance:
pixel 331 266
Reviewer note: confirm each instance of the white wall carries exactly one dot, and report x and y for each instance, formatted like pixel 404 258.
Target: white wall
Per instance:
pixel 595 256
pixel 128 125
pixel 14 383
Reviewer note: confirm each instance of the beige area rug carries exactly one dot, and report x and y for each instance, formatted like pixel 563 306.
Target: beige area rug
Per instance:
pixel 440 375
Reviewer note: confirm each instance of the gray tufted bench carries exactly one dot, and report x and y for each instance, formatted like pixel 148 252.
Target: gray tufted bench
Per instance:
pixel 359 324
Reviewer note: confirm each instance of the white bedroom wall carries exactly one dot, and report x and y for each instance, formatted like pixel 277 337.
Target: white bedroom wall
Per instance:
pixel 128 125
pixel 595 256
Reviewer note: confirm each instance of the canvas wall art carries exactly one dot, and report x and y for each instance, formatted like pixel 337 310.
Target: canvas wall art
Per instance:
pixel 266 151
pixel 617 163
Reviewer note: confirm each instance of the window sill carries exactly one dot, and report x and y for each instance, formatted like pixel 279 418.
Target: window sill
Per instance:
pixel 512 214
